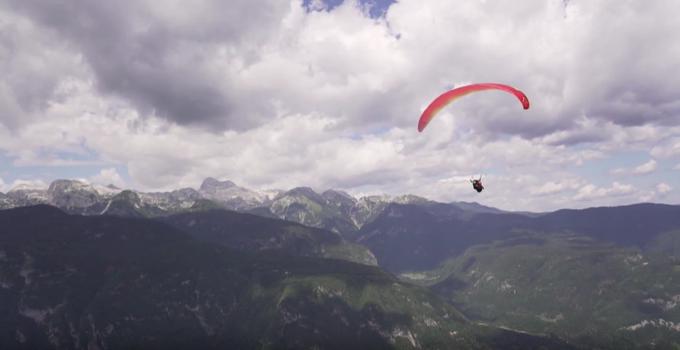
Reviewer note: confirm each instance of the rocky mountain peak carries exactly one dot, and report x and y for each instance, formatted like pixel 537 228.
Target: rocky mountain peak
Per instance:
pixel 211 185
pixel 231 195
pixel 25 194
pixel 128 196
pixel 305 192
pixel 338 195
pixel 186 194
pixel 65 184
pixel 72 194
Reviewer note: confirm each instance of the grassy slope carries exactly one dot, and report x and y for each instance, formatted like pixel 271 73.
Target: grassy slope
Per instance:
pixel 565 285
pixel 98 282
pixel 253 233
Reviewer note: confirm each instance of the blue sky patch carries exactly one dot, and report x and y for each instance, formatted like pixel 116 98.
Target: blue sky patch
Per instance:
pixel 377 8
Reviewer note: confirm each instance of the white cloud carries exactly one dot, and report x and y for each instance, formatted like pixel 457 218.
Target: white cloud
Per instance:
pixel 108 176
pixel 34 61
pixel 663 188
pixel 591 192
pixel 642 169
pixel 618 171
pixel 295 150
pixel 555 187
pixel 366 71
pixel 668 148
pixel 28 184
pixel 331 98
pixel 549 188
pixel 645 168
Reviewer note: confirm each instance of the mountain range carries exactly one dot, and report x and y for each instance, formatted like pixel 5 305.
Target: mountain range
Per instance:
pixel 416 237
pixel 333 210
pixel 99 282
pixel 596 278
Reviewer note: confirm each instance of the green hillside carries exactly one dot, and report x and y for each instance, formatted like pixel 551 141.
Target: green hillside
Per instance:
pixel 253 233
pixel 566 285
pixel 73 282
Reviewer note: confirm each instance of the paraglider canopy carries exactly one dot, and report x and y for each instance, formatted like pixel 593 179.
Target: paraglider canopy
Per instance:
pixel 444 99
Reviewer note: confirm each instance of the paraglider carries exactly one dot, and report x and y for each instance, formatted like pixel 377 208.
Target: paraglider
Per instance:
pixel 444 99
pixel 477 184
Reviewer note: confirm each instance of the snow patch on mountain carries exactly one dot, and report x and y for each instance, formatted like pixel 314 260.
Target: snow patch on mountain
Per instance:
pixel 660 323
pixel 28 194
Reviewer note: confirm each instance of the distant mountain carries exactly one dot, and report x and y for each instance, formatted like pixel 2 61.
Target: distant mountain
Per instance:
pixel 78 197
pixel 455 226
pixel 126 203
pixel 232 196
pixel 99 282
pixel 475 207
pixel 636 224
pixel 411 237
pixel 252 233
pixel 72 195
pixel 24 195
pixel 5 201
pixel 417 237
pixel 369 207
pixel 332 210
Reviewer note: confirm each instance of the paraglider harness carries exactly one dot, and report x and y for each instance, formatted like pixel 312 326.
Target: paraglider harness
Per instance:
pixel 477 184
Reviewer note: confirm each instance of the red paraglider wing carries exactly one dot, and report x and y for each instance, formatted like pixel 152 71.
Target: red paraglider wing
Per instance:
pixel 448 97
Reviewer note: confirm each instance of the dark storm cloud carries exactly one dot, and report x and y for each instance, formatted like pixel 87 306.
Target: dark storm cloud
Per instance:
pixel 32 87
pixel 579 137
pixel 204 63
pixel 638 105
pixel 161 58
pixel 30 72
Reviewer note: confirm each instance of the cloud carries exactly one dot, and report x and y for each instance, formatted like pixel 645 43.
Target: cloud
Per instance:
pixel 591 192
pixel 209 65
pixel 28 184
pixel 286 96
pixel 646 168
pixel 307 150
pixel 663 188
pixel 33 61
pixel 584 131
pixel 108 176
pixel 642 169
pixel 172 60
pixel 667 148
pixel 618 171
pixel 555 187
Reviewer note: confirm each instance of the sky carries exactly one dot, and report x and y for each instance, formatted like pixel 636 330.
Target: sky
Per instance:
pixel 274 94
